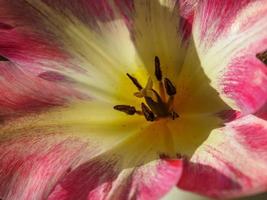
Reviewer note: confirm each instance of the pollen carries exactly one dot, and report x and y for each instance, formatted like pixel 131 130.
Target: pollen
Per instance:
pixel 156 105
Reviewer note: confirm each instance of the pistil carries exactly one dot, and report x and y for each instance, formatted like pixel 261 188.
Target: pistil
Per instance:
pixel 149 115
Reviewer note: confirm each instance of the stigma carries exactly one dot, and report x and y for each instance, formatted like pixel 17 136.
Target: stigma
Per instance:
pixel 157 104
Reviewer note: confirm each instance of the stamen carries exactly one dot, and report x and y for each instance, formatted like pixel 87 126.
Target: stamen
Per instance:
pixel 170 89
pixel 262 57
pixel 2 58
pixel 158 72
pixel 135 82
pixel 149 115
pixel 162 91
pixel 170 102
pixel 130 110
pixel 156 106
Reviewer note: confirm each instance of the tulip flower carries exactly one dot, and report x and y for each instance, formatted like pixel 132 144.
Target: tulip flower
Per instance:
pixel 113 99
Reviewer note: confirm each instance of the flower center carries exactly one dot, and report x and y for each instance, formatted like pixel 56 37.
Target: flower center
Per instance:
pixel 156 104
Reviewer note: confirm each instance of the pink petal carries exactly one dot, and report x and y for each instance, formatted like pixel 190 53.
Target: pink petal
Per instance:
pixel 23 38
pixel 246 82
pixel 188 7
pixel 45 72
pixel 4 26
pixel 28 36
pixel 228 35
pixel 87 11
pixel 231 163
pixel 66 143
pixel 32 80
pixel 22 91
pixel 72 39
pixel 130 170
pixel 39 149
pixel 31 165
pixel 262 112
pixel 103 179
pixel 87 36
pixel 187 12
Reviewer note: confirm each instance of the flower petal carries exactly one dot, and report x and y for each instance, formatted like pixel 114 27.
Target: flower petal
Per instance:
pixel 199 106
pixel 57 141
pixel 24 92
pixel 231 162
pixel 80 137
pixel 63 142
pixel 31 173
pixel 156 26
pixel 48 38
pixel 228 36
pixel 103 180
pixel 94 43
pixel 262 112
pixel 194 90
pixel 188 7
pixel 24 39
pixel 122 173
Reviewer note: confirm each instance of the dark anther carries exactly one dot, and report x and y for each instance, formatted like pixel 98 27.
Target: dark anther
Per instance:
pixel 262 57
pixel 174 115
pixel 170 89
pixel 130 110
pixel 135 82
pixel 158 71
pixel 2 58
pixel 149 115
